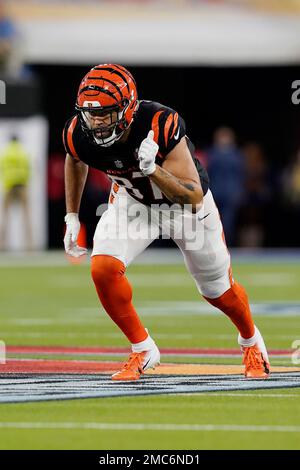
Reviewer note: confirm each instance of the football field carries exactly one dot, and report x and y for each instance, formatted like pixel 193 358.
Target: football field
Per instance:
pixel 61 347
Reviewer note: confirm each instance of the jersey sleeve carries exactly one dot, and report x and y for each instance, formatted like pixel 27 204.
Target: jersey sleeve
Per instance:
pixel 169 128
pixel 68 137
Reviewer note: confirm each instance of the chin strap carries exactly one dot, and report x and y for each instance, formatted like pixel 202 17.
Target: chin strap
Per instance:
pixel 111 141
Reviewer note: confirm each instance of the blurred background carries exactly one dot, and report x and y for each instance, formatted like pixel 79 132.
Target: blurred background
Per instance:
pixel 230 68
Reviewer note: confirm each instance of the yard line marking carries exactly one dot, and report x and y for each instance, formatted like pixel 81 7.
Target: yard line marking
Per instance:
pixel 27 334
pixel 159 309
pixel 195 308
pixel 153 256
pixel 5 334
pixel 274 279
pixel 95 350
pixel 151 427
pixel 254 395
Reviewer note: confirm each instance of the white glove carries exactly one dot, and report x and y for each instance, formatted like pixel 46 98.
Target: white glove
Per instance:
pixel 147 153
pixel 72 231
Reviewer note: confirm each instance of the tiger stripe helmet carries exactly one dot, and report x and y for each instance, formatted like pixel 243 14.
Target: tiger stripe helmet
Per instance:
pixel 107 88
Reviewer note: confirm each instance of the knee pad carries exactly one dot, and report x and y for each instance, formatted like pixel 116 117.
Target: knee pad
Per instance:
pixel 213 284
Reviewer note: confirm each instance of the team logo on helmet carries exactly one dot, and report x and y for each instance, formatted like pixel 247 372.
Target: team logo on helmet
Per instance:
pixel 118 164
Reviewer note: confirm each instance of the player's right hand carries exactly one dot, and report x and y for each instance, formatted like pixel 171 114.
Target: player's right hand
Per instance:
pixel 72 232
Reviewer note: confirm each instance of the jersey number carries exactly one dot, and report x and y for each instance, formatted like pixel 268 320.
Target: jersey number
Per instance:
pixel 157 194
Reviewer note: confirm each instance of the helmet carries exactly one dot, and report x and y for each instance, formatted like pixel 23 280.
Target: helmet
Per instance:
pixel 107 89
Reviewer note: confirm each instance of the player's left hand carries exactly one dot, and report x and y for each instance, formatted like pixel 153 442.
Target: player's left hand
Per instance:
pixel 147 153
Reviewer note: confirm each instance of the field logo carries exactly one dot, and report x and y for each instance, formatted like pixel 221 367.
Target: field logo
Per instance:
pixel 2 353
pixel 296 94
pixel 296 354
pixel 2 92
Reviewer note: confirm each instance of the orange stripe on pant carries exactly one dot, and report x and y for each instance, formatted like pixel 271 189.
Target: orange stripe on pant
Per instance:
pixel 234 303
pixel 115 294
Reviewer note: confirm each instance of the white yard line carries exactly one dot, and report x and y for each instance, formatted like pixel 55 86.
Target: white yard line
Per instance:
pixel 48 321
pixel 274 279
pixel 151 427
pixel 100 334
pixel 27 334
pixel 198 307
pixel 151 256
pixel 162 308
pixel 254 395
pixel 30 334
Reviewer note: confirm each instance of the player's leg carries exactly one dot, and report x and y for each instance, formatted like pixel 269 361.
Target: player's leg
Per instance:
pixel 211 270
pixel 116 243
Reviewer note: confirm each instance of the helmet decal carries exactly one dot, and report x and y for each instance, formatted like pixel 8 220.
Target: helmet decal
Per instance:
pixel 92 104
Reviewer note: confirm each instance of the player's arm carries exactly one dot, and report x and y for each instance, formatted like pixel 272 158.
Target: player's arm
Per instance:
pixel 178 178
pixel 75 179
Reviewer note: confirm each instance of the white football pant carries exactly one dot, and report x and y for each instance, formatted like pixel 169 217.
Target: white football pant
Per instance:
pixel 127 227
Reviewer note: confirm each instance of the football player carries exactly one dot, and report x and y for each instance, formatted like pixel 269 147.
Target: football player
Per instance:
pixel 143 147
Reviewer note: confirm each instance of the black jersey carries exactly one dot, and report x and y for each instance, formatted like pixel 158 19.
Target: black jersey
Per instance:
pixel 120 160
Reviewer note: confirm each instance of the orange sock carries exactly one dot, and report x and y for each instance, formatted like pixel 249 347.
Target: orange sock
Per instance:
pixel 115 294
pixel 234 303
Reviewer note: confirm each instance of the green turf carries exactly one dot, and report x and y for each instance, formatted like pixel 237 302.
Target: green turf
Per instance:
pixel 58 306
pixel 253 409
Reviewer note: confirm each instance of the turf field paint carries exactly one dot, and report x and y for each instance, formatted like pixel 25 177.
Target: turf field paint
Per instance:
pixel 149 427
pixel 33 388
pixel 90 350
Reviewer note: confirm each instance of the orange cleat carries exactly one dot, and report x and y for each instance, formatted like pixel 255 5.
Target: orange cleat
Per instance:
pixel 255 365
pixel 132 369
pixel 137 364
